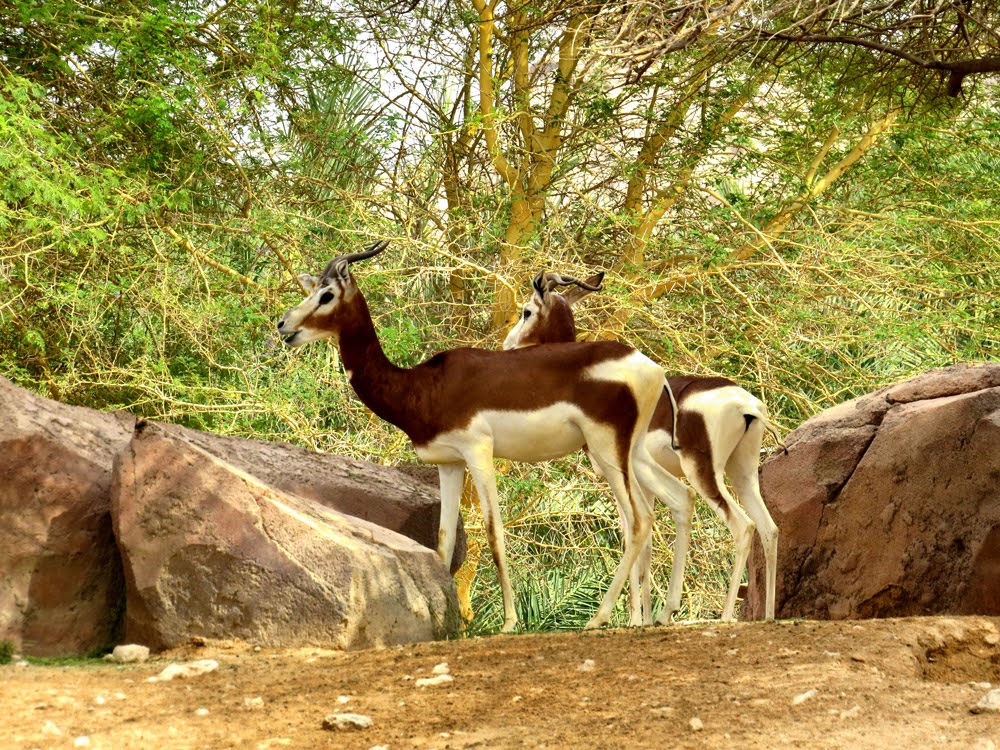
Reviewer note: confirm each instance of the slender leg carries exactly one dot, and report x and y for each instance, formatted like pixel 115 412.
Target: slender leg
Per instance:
pixel 635 581
pixel 451 477
pixel 642 524
pixel 711 486
pixel 678 498
pixel 484 476
pixel 742 472
pixel 643 571
pixel 637 587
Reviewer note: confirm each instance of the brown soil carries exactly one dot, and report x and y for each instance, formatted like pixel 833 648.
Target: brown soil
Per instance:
pixel 907 683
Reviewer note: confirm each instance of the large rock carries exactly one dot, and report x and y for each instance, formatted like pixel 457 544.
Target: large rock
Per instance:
pixel 61 584
pixel 211 551
pixel 385 496
pixel 889 505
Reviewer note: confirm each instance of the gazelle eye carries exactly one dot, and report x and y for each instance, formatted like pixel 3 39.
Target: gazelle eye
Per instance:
pixel 325 297
pixel 527 314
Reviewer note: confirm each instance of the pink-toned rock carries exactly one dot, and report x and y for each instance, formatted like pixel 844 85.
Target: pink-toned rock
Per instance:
pixel 61 585
pixel 889 505
pixel 382 495
pixel 210 551
pixel 61 581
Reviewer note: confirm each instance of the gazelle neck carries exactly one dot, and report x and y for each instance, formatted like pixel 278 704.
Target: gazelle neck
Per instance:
pixel 377 381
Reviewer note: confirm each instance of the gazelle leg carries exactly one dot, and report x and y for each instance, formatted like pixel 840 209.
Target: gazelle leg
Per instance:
pixel 635 574
pixel 638 589
pixel 451 478
pixel 743 529
pixel 642 525
pixel 682 516
pixel 742 472
pixel 643 571
pixel 484 476
pixel 711 486
pixel 659 482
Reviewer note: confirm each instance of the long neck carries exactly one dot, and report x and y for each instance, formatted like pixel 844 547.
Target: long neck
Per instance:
pixel 380 385
pixel 557 325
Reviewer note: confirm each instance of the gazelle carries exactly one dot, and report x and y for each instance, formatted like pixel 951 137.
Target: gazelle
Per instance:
pixel 462 407
pixel 715 431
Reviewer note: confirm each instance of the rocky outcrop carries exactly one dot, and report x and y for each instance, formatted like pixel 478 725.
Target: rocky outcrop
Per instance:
pixel 61 586
pixel 889 505
pixel 211 551
pixel 381 495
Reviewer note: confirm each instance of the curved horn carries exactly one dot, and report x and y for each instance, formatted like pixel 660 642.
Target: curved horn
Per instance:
pixel 552 280
pixel 373 249
pixel 343 261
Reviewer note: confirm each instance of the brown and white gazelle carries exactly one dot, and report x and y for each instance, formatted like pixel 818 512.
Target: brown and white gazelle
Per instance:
pixel 462 407
pixel 715 431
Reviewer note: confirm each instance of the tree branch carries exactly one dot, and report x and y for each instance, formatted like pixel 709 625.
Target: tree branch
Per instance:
pixel 959 69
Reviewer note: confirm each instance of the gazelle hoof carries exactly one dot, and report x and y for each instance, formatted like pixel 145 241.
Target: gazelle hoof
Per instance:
pixel 665 617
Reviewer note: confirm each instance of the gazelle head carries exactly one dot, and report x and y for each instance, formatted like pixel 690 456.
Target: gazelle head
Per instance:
pixel 548 317
pixel 318 315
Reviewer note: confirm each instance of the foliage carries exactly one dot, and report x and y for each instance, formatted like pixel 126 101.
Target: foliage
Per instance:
pixel 6 652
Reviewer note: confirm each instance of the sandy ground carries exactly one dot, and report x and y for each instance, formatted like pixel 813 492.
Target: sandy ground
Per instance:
pixel 909 683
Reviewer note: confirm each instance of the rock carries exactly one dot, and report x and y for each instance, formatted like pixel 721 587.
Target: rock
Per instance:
pixel 406 500
pixel 696 724
pixel 62 589
pixel 129 653
pixel 439 679
pixel 851 713
pixel 801 698
pixel 889 505
pixel 347 721
pixel 211 551
pixel 989 703
pixel 190 669
pixel 253 704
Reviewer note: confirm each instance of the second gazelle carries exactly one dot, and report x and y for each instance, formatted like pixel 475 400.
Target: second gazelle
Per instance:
pixel 709 429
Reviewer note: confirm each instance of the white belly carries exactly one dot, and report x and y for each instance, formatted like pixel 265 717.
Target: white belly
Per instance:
pixel 540 435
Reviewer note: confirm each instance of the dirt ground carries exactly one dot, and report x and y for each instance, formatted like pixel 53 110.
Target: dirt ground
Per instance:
pixel 908 683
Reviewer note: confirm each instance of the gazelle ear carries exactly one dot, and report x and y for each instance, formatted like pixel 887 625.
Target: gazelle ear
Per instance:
pixel 308 282
pixel 337 269
pixel 341 270
pixel 540 287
